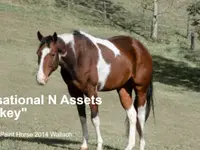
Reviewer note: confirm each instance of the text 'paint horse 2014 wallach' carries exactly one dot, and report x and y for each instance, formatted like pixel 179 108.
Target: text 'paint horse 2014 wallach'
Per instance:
pixel 89 64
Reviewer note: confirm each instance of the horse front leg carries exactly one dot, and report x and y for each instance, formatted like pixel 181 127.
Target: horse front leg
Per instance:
pixel 83 120
pixel 75 92
pixel 96 123
pixel 95 116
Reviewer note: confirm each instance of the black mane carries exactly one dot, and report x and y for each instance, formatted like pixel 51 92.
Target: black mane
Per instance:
pixel 76 32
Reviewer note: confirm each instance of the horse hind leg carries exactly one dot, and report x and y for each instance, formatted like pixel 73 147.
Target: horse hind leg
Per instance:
pixel 142 105
pixel 125 94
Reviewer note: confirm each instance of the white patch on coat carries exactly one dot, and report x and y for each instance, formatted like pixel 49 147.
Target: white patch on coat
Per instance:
pixel 85 132
pixel 96 123
pixel 104 42
pixel 68 39
pixel 103 68
pixel 131 114
pixel 141 119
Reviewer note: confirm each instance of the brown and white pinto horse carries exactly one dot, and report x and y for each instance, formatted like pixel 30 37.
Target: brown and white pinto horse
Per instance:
pixel 90 64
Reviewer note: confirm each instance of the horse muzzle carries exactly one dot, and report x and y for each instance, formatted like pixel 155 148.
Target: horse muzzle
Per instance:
pixel 41 79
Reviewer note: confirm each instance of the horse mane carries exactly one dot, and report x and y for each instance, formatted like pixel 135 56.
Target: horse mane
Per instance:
pixel 76 32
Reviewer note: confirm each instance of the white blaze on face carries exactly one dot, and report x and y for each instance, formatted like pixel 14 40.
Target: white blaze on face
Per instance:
pixel 40 75
pixel 103 68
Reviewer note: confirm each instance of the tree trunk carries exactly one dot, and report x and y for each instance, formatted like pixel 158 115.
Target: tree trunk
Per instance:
pixel 68 5
pixel 188 26
pixel 105 11
pixel 144 7
pixel 192 45
pixel 154 32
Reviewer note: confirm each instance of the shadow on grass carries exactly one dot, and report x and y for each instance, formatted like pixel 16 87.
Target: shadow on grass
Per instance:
pixel 176 73
pixel 59 143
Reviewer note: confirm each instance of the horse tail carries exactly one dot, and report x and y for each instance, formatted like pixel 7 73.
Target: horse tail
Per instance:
pixel 150 101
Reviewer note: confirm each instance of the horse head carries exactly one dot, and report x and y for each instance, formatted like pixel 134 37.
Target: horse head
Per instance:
pixel 48 58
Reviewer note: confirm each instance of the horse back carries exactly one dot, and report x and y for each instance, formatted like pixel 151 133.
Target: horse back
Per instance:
pixel 134 51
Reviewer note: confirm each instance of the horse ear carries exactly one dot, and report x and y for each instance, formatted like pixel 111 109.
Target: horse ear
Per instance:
pixel 39 35
pixel 55 37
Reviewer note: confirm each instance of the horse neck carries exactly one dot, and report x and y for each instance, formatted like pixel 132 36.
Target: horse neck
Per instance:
pixel 67 44
pixel 68 60
pixel 75 52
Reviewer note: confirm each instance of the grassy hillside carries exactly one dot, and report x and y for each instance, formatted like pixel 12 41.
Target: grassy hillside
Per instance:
pixel 130 20
pixel 176 72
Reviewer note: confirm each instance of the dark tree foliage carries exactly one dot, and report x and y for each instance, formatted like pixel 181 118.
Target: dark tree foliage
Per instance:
pixel 111 8
pixel 194 9
pixel 114 13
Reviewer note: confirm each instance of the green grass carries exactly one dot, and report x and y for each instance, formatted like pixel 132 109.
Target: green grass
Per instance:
pixel 176 82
